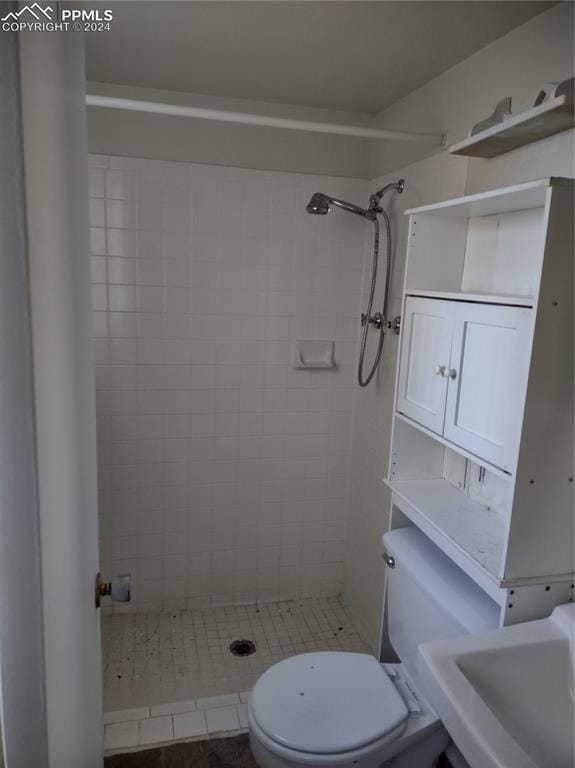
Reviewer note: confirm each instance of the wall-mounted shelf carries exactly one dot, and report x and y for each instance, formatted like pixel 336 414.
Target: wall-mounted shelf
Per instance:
pixel 551 117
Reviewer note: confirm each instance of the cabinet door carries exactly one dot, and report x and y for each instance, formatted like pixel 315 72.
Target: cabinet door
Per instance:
pixel 486 393
pixel 425 353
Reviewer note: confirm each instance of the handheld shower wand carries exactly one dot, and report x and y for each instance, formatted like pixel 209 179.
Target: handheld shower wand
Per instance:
pixel 321 204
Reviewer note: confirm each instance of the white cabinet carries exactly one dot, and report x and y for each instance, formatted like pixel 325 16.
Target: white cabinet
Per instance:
pixel 463 372
pixel 488 376
pixel 482 445
pixel 426 347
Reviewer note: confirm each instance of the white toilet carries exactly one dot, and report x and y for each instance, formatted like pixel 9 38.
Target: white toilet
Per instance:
pixel 346 709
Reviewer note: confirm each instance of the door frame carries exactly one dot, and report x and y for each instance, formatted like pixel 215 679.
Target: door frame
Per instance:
pixel 54 130
pixel 23 732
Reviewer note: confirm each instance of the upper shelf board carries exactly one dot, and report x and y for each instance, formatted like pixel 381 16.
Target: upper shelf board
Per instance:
pixel 510 300
pixel 519 197
pixel 537 123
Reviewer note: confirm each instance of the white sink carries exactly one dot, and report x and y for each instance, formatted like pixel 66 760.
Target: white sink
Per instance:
pixel 507 696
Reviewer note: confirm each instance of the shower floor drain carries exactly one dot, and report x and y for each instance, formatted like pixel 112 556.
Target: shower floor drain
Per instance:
pixel 242 648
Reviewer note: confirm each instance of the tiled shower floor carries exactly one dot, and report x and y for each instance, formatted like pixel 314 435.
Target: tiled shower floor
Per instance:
pixel 158 658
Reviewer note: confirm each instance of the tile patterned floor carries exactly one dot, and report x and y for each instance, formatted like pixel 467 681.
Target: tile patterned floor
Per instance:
pixel 165 657
pixel 170 676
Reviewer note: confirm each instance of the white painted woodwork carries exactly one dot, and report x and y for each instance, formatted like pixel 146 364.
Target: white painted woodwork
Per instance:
pixel 504 253
pixel 469 533
pixel 425 351
pixel 447 444
pixel 518 197
pixel 489 360
pixel 435 249
pixel 56 175
pixel 493 486
pixel 23 737
pixel 415 453
pixel 490 245
pixel 541 533
pixel 483 298
pixel 553 116
pixel 463 371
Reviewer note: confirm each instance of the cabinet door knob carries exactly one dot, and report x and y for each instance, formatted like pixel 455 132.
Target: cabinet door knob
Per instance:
pixel 439 370
pixel 449 373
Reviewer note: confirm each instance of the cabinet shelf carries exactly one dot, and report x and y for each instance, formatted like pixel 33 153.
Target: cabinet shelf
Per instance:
pixel 482 298
pixel 472 535
pixel 518 197
pixel 454 447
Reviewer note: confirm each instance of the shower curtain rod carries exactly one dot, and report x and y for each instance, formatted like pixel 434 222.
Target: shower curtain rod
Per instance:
pixel 178 110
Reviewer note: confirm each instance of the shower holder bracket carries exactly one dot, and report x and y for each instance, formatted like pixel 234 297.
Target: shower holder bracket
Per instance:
pixel 376 320
pixel 380 322
pixel 395 324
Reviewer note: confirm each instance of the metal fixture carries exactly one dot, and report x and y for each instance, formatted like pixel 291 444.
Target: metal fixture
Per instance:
pixel 242 647
pixel 321 204
pixel 119 588
pixel 376 320
pixel 202 113
pixel 395 324
pixel 388 559
pixel 438 369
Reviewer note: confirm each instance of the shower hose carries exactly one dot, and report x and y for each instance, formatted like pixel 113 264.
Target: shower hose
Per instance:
pixel 362 378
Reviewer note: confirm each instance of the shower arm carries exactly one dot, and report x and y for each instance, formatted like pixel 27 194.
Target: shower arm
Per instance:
pixel 375 199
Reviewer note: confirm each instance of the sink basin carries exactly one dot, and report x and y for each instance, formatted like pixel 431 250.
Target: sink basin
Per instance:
pixel 507 696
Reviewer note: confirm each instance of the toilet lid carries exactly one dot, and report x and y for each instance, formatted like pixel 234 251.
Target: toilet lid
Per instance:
pixel 327 702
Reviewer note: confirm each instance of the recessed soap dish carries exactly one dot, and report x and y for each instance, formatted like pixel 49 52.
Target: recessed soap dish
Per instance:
pixel 314 354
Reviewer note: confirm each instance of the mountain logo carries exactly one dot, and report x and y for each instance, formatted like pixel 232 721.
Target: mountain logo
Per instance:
pixel 35 10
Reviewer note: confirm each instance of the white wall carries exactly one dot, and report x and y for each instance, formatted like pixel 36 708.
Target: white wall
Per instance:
pixel 133 134
pixel 223 471
pixel 537 52
pixel 516 65
pixel 23 739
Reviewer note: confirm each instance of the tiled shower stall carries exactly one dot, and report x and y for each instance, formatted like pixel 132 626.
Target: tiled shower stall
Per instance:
pixel 223 471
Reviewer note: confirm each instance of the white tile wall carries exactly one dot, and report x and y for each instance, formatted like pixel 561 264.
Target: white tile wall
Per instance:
pixel 223 471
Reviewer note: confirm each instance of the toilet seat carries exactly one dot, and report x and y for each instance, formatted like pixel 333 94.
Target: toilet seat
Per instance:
pixel 327 704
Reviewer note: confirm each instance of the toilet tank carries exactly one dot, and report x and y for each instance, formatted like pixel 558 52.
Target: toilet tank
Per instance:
pixel 429 597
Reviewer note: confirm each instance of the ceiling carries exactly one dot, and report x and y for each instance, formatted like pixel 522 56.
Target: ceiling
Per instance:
pixel 354 56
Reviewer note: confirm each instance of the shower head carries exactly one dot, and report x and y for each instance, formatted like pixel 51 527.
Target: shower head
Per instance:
pixel 321 204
